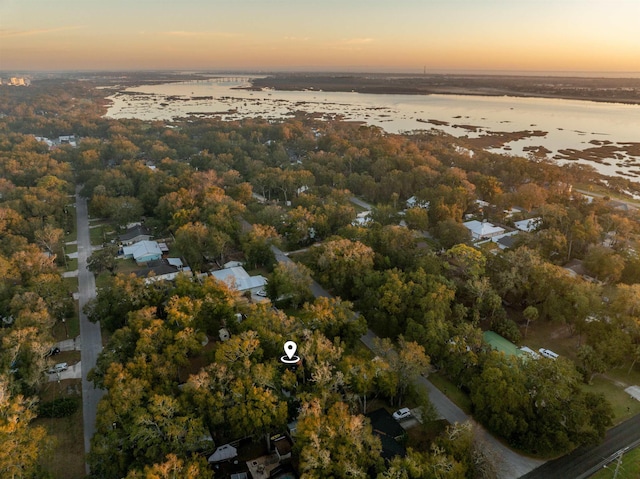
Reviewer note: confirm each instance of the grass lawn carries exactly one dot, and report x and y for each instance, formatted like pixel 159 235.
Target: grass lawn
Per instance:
pixel 629 469
pixel 101 233
pixel 72 264
pixel 70 248
pixel 544 334
pixel 461 399
pixel 66 460
pixel 70 329
pixel 71 283
pixel 72 233
pixel 421 436
pixel 553 336
pixel 624 406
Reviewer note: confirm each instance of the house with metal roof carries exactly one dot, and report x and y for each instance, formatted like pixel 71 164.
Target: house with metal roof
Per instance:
pixel 142 251
pixel 483 229
pixel 236 277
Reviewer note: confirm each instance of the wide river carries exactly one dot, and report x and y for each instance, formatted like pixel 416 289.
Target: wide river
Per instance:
pixel 610 130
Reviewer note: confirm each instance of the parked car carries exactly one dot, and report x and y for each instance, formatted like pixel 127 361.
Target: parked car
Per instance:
pixel 547 353
pixel 262 293
pixel 52 352
pixel 58 368
pixel 402 414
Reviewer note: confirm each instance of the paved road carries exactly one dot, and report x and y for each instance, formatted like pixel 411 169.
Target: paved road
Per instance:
pixel 630 205
pixel 585 461
pixel 90 335
pixel 362 204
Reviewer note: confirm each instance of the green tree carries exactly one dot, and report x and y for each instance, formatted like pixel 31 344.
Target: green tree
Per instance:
pixel 604 264
pixel 290 283
pixel 104 259
pixel 530 313
pixel 256 245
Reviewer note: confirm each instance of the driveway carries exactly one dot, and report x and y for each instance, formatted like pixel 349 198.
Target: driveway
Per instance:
pixel 74 372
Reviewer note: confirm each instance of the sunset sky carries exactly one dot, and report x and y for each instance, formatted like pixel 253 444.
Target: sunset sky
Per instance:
pixel 347 35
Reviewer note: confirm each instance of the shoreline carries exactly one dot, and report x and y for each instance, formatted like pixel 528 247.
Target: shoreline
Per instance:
pixel 600 90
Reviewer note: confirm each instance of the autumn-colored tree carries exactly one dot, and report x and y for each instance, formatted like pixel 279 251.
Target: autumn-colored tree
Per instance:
pixel 22 444
pixel 173 468
pixel 335 443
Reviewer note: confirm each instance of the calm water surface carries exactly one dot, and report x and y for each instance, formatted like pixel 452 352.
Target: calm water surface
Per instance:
pixel 568 124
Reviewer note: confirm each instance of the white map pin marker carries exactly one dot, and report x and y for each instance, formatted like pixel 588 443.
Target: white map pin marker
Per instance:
pixel 290 348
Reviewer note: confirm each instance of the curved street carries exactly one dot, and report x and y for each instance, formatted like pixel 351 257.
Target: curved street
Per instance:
pixel 91 338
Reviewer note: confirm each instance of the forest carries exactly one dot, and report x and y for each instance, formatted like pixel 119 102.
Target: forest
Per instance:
pixel 411 273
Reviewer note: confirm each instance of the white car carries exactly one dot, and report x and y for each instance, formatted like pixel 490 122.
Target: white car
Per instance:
pixel 547 353
pixel 58 368
pixel 262 293
pixel 401 414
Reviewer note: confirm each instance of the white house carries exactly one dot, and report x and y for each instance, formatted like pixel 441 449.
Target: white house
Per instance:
pixel 414 202
pixel 362 219
pixel 483 229
pixel 528 225
pixel 239 279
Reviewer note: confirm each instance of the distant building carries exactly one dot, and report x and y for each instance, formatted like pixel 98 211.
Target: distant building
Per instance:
pixel 483 230
pixel 67 140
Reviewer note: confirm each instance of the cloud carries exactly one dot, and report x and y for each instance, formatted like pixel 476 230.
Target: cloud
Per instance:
pixel 41 31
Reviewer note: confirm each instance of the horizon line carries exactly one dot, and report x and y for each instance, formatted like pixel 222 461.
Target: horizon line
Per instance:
pixel 380 70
